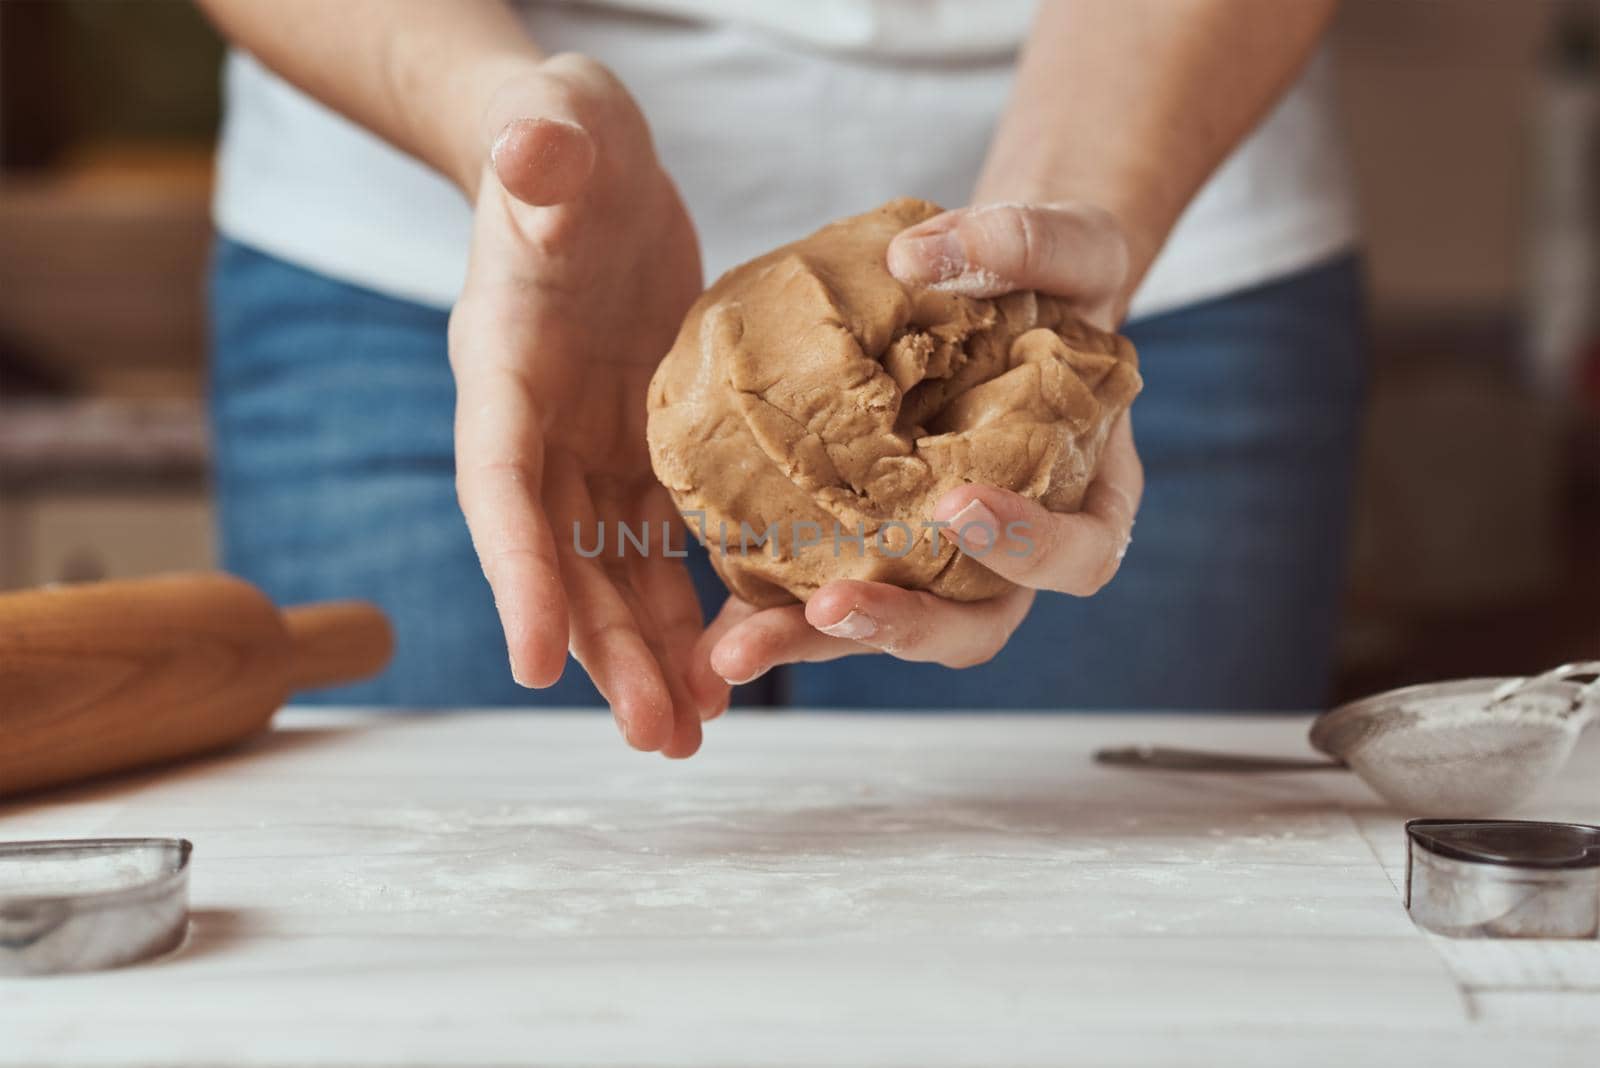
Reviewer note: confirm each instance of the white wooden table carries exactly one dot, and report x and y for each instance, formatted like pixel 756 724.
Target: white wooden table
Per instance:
pixel 520 889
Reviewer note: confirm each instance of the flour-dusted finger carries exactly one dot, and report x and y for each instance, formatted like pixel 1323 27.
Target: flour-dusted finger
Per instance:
pixel 703 678
pixel 774 636
pixel 1021 540
pixel 499 484
pixel 605 635
pixel 670 650
pixel 682 736
pixel 913 625
pixel 543 161
pixel 1072 250
pixel 667 597
pixel 1018 538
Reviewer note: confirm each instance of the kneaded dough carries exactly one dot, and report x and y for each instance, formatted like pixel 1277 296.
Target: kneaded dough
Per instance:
pixel 812 397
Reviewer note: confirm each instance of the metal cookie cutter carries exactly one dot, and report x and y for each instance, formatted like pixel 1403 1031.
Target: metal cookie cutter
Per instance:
pixel 1504 878
pixel 77 906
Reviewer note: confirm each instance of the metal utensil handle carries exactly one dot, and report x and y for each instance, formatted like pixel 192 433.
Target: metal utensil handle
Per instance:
pixel 1174 759
pixel 1565 673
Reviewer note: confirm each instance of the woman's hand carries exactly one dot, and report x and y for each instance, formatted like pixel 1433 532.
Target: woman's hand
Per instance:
pixel 583 264
pixel 1072 250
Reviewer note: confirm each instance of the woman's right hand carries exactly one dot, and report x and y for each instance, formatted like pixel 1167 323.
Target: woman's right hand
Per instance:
pixel 583 263
pixel 1075 251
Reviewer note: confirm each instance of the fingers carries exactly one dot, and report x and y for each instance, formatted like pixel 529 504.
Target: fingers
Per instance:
pixel 1012 535
pixel 686 717
pixel 1070 250
pixel 499 471
pixel 914 625
pixel 1076 553
pixel 761 639
pixel 552 131
pixel 703 677
pixel 606 637
pixel 543 161
pixel 849 617
pixel 544 129
pixel 668 634
pixel 668 597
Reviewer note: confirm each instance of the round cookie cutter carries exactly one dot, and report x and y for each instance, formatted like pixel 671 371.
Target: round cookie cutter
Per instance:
pixel 84 905
pixel 1504 878
pixel 1479 746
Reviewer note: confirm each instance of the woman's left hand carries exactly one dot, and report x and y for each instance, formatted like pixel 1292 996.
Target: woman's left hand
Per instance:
pixel 1072 250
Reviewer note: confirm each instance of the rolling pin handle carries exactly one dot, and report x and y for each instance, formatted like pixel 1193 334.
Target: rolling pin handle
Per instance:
pixel 337 642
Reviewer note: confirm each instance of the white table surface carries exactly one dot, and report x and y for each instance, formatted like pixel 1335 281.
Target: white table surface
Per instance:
pixel 500 888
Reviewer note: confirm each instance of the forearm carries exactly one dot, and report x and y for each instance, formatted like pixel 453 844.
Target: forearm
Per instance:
pixel 423 75
pixel 1131 104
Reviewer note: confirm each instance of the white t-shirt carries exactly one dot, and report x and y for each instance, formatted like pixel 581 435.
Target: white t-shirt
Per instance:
pixel 774 118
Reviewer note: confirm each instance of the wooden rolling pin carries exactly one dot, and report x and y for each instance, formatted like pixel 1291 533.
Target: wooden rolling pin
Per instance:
pixel 115 675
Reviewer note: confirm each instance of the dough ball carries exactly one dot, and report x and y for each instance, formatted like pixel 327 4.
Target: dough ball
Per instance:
pixel 813 409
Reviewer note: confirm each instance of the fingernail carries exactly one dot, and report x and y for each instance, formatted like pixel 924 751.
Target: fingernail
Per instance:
pixel 728 677
pixel 740 682
pixel 499 145
pixel 856 624
pixel 516 676
pixel 973 527
pixel 933 257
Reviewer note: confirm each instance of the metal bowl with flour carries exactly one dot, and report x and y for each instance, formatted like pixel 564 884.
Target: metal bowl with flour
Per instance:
pixel 1469 746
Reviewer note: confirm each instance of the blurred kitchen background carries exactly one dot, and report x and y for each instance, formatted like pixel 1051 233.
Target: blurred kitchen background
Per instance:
pixel 1475 126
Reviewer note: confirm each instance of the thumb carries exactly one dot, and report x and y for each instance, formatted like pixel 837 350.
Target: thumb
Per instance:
pixel 543 161
pixel 1072 250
